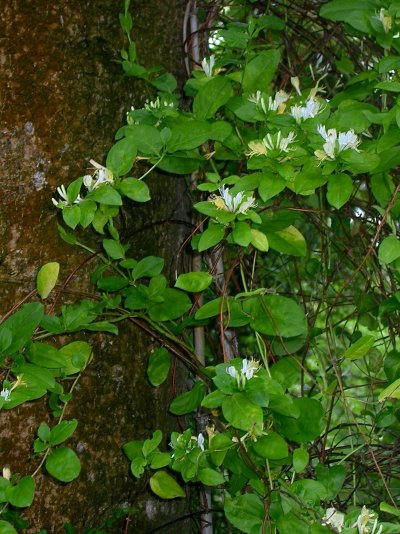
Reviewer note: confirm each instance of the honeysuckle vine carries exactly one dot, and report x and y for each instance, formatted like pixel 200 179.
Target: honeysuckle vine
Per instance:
pixel 295 190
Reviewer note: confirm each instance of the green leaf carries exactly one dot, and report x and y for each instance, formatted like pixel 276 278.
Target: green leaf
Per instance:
pixel 391 392
pixel 246 513
pixel 160 459
pixel 211 309
pixel 307 426
pixel 175 304
pixel 158 366
pixel 270 186
pixel 352 13
pixel 62 431
pixel 389 509
pixel 391 86
pixel 137 466
pixel 7 528
pixel 214 94
pixel 21 495
pixel 76 356
pixel 45 355
pixel 219 446
pixel 189 401
pixel 211 237
pixel 148 267
pixel 260 71
pixel 147 138
pixel 210 477
pixel 71 216
pixel 340 188
pixel 389 249
pixel 274 315
pixel 242 413
pixel 272 447
pixel 194 282
pixel 242 234
pixel 213 399
pixel 151 444
pixel 66 236
pixel 259 240
pixel 288 241
pixel 166 83
pixel 114 249
pixel 332 478
pixel 105 194
pixel 135 190
pixel 121 156
pixel 360 348
pixel 43 432
pixel 22 324
pixel 63 464
pixel 166 487
pixel 47 278
pixel 300 460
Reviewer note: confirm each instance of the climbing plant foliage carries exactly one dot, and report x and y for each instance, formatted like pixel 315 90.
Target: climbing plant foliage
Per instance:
pixel 292 421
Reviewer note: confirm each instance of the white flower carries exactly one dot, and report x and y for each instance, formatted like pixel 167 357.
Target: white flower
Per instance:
pixel 296 84
pixel 101 176
pixel 5 394
pixel 386 20
pixel 239 203
pixel 200 441
pixel 366 517
pixel 277 142
pixel 334 519
pixel 64 198
pixel 208 65
pixel 309 111
pixel 7 473
pixel 249 368
pixel 277 104
pixel 334 143
pixel 232 371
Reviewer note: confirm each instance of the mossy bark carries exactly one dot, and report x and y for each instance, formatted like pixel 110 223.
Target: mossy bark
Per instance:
pixel 62 98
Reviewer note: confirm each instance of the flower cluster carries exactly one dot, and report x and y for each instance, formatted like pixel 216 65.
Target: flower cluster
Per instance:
pixel 277 104
pixel 249 369
pixel 100 176
pixel 365 520
pixel 272 143
pixel 239 203
pixel 336 143
pixel 310 110
pixel 5 394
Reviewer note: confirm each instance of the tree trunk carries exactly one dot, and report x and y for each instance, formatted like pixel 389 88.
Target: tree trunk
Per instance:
pixel 62 98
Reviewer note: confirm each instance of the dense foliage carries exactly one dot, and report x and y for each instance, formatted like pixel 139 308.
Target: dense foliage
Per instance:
pixel 288 318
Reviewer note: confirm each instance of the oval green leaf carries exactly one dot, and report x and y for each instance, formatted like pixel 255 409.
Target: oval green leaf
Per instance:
pixel 194 282
pixel 47 278
pixel 63 464
pixel 166 487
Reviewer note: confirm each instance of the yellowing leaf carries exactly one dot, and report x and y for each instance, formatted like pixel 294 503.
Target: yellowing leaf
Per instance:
pixel 166 487
pixel 47 278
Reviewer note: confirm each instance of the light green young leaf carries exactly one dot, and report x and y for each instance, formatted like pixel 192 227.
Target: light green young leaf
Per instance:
pixel 194 282
pixel 259 240
pixel 389 249
pixel 47 278
pixel 360 348
pixel 391 392
pixel 166 487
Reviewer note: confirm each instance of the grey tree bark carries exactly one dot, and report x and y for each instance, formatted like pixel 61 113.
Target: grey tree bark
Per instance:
pixel 62 98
